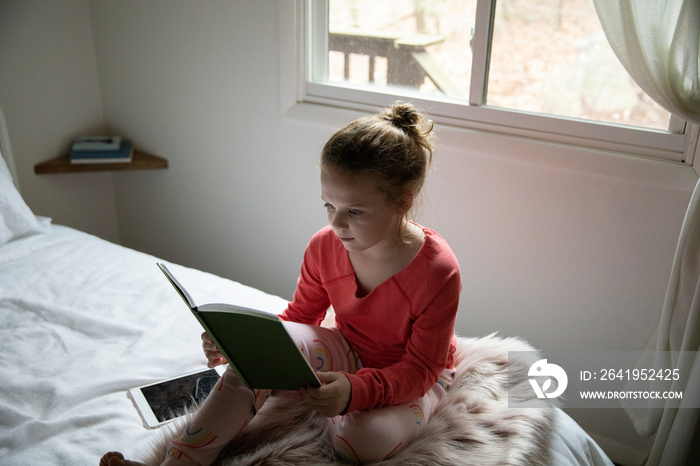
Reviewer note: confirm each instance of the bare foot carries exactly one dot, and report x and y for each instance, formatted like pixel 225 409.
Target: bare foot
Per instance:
pixel 114 458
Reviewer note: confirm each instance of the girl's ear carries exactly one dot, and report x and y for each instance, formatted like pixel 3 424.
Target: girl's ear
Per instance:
pixel 405 202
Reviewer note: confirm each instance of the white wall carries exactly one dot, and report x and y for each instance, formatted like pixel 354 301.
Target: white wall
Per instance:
pixel 563 237
pixel 563 246
pixel 50 94
pixel 198 83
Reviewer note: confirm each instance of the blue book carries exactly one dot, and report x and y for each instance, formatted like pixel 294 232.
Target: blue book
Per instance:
pixel 124 154
pixel 97 143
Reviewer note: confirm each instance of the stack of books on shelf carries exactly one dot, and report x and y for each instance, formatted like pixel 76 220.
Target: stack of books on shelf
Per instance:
pixel 101 149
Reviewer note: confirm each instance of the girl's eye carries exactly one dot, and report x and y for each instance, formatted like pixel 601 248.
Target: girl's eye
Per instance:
pixel 351 212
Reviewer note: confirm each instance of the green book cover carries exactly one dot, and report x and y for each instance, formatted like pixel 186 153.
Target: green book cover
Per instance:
pixel 255 343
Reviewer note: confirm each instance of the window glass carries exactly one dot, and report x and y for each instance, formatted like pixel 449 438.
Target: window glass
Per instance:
pixel 547 56
pixel 552 57
pixel 421 45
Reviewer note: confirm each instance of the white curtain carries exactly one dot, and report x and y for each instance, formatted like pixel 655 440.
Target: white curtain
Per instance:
pixel 657 42
pixel 678 336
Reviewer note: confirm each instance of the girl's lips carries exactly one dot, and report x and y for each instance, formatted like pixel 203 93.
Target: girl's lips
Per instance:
pixel 344 240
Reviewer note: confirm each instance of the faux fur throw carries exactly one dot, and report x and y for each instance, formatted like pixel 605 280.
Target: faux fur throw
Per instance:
pixel 472 424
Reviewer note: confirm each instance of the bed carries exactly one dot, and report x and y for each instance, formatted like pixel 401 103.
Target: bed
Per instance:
pixel 82 320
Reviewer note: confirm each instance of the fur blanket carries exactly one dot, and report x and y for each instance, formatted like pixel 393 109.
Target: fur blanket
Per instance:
pixel 472 425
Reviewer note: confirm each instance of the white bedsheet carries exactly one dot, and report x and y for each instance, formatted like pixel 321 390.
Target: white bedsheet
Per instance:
pixel 83 320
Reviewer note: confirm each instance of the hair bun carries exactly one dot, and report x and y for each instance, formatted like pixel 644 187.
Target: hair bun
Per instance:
pixel 403 115
pixel 408 118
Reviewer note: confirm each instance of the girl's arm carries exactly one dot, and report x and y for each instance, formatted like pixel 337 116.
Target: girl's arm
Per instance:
pixel 310 301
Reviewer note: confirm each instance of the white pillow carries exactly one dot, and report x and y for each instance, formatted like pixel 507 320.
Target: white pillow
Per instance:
pixel 16 218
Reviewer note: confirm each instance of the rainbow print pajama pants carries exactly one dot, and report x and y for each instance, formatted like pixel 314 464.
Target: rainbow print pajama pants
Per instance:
pixel 360 436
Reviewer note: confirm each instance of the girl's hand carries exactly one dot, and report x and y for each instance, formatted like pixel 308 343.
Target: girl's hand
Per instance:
pixel 214 356
pixel 333 397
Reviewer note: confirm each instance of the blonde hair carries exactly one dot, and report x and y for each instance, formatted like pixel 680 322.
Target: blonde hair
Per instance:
pixel 396 144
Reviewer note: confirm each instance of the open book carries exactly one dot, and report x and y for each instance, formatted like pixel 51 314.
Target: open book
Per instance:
pixel 255 343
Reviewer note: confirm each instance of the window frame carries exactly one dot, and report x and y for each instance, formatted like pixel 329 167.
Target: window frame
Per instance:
pixel 677 145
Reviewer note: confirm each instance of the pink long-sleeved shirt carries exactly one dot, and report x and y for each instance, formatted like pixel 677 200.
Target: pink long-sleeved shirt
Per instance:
pixel 403 330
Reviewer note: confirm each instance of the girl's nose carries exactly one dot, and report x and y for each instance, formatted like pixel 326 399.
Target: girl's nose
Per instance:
pixel 338 221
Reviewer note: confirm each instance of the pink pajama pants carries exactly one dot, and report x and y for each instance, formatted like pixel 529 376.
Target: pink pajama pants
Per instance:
pixel 360 436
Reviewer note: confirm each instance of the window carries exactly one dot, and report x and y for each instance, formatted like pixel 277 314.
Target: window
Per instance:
pixel 537 68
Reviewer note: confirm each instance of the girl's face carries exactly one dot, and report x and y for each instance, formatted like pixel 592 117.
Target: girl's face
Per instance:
pixel 359 213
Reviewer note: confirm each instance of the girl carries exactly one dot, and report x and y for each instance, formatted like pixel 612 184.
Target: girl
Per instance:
pixel 394 286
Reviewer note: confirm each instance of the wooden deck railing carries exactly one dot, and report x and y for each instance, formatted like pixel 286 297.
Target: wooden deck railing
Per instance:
pixel 408 61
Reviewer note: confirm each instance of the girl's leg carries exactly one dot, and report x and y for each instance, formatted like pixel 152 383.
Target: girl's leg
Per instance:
pixel 325 348
pixel 226 411
pixel 368 436
pixel 231 405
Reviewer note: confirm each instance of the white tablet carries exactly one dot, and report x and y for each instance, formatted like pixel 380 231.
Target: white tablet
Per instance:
pixel 164 401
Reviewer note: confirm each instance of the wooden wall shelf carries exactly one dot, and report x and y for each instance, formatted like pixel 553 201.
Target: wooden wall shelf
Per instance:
pixel 139 161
